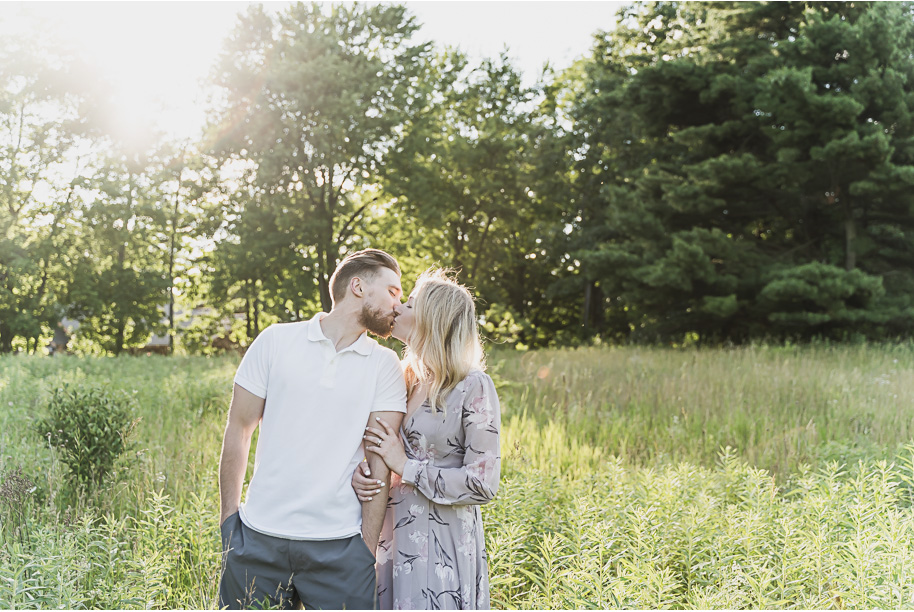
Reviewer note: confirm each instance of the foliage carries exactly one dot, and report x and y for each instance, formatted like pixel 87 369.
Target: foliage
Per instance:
pixel 719 172
pixel 681 536
pixel 39 103
pixel 753 138
pixel 462 169
pixel 90 427
pixel 312 101
pixel 615 491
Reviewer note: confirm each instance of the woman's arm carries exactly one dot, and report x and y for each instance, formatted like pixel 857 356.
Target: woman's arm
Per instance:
pixel 364 485
pixel 476 481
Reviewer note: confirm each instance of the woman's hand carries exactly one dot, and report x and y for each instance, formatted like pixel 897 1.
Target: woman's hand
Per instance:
pixel 387 445
pixel 365 488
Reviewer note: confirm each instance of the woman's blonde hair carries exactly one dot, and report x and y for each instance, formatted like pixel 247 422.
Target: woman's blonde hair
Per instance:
pixel 444 344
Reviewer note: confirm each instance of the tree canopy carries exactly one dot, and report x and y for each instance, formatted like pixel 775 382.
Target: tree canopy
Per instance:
pixel 716 171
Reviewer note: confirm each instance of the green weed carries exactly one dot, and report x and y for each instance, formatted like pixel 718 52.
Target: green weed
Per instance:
pixel 758 477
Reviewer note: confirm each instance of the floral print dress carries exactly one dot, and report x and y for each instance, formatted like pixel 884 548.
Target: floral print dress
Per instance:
pixel 431 554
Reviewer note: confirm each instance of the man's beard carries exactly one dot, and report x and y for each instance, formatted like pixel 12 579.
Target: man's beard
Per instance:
pixel 375 321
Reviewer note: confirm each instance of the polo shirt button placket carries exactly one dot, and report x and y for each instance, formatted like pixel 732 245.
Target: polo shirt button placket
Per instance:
pixel 328 380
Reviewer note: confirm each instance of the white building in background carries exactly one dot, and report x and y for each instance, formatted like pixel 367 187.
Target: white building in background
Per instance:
pixel 183 320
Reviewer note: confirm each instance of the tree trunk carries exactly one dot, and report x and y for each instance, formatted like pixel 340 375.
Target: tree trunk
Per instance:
pixel 329 263
pixel 121 261
pixel 247 314
pixel 471 280
pixel 256 314
pixel 597 308
pixel 119 337
pixel 6 338
pixel 585 315
pixel 850 234
pixel 323 281
pixel 171 274
pixel 592 318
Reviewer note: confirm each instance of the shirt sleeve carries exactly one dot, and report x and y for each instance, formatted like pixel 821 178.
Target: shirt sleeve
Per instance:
pixel 476 481
pixel 390 389
pixel 254 372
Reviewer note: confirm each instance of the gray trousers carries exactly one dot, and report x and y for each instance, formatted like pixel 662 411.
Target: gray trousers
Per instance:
pixel 265 571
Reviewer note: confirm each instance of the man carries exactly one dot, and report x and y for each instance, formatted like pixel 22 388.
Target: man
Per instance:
pixel 301 536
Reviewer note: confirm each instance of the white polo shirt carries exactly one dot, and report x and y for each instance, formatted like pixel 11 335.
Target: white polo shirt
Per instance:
pixel 317 405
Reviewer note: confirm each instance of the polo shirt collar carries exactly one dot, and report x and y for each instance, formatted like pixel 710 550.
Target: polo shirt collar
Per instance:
pixel 362 346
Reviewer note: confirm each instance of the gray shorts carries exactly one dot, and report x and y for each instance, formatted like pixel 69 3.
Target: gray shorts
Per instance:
pixel 261 570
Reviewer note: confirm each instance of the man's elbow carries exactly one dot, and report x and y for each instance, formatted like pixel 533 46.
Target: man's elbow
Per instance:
pixel 236 436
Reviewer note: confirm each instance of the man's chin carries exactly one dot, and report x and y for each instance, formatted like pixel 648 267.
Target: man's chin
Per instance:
pixel 385 334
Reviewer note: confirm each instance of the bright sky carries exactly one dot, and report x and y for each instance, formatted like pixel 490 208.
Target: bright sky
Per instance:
pixel 158 53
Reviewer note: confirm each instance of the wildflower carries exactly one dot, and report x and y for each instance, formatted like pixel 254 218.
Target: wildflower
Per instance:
pixel 16 488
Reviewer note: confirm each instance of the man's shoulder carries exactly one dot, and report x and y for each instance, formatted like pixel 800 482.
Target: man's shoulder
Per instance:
pixel 383 355
pixel 279 334
pixel 383 352
pixel 287 328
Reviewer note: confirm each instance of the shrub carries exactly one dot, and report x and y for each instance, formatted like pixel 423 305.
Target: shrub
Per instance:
pixel 90 428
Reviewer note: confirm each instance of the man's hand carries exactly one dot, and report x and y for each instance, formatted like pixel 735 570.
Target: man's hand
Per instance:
pixel 371 542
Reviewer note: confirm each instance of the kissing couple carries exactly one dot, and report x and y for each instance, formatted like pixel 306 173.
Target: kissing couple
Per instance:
pixel 369 472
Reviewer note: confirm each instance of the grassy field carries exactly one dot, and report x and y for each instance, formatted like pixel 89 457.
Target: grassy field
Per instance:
pixel 755 477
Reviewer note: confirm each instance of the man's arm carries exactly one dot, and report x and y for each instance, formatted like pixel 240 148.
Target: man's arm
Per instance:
pixel 244 415
pixel 373 511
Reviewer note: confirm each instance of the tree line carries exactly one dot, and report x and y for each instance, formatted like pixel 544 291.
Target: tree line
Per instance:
pixel 710 172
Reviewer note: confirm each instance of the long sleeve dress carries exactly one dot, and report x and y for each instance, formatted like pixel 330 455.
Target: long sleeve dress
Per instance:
pixel 431 554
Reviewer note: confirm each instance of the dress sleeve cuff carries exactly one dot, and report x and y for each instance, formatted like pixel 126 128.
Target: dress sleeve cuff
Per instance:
pixel 411 471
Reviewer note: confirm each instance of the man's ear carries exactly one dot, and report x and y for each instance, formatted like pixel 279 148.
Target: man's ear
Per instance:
pixel 355 285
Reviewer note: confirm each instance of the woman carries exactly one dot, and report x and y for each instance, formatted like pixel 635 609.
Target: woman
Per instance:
pixel 445 460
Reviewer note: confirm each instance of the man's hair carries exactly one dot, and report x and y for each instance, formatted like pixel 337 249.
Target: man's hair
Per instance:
pixel 364 264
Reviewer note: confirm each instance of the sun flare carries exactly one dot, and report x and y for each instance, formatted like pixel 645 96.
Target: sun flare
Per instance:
pixel 146 61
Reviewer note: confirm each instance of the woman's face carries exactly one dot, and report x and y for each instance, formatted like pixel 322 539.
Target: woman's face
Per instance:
pixel 406 318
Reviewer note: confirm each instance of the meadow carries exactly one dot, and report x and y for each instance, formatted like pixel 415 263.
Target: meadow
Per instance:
pixel 753 477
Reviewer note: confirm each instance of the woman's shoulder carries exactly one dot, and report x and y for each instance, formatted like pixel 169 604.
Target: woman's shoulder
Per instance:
pixel 476 379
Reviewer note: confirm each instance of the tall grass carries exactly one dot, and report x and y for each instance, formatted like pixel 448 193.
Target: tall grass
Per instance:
pixel 682 536
pixel 780 407
pixel 615 490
